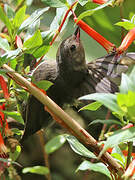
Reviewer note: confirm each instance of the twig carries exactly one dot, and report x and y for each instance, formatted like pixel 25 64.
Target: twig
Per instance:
pixel 19 6
pixel 130 148
pixel 69 122
pixel 104 126
pixel 46 161
pixel 63 21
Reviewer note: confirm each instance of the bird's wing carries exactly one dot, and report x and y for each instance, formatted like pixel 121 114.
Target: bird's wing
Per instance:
pixel 105 73
pixel 34 121
pixel 47 70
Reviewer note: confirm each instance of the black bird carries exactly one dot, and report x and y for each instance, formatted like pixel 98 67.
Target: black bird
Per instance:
pixel 73 78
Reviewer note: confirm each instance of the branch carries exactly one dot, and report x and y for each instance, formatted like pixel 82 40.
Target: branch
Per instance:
pixel 69 122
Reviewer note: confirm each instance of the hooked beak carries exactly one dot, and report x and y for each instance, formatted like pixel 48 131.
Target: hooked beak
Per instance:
pixel 77 34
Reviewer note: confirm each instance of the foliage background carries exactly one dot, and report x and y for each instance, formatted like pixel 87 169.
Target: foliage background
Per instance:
pixel 64 161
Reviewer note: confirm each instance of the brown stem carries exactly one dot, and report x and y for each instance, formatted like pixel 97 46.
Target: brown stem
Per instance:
pixel 104 126
pixel 129 156
pixel 72 125
pixel 19 6
pixel 42 144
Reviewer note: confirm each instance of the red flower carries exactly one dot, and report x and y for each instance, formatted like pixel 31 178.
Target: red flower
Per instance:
pixel 128 39
pixel 3 148
pixel 3 122
pixel 99 1
pixel 3 85
pixel 95 35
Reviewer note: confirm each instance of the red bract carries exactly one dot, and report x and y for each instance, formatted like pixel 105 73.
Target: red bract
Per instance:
pixel 18 42
pixel 130 170
pixel 128 126
pixel 129 38
pixel 3 122
pixel 99 1
pixel 95 35
pixel 3 85
pixel 3 149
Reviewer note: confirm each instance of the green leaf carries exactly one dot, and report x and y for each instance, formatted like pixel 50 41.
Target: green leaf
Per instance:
pixel 108 121
pixel 15 115
pixel 44 84
pixel 78 148
pixel 9 11
pixel 13 64
pixel 36 169
pixel 17 152
pixel 41 51
pixel 90 12
pixel 83 2
pixel 55 144
pixel 93 106
pixel 127 84
pixel 60 13
pixel 119 136
pixel 127 25
pixel 127 104
pixel 9 55
pixel 55 3
pixel 126 100
pixel 4 44
pixel 29 2
pixel 19 17
pixel 6 21
pixel 97 167
pixel 32 29
pixel 17 132
pixel 118 158
pixel 107 99
pixel 47 37
pixel 32 42
pixel 34 17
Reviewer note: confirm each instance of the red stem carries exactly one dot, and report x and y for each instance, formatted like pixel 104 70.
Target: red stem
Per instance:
pixel 63 21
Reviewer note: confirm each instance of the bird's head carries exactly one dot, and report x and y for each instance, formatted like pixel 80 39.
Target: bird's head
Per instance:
pixel 71 55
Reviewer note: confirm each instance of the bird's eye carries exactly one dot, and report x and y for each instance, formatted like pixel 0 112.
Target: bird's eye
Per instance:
pixel 73 47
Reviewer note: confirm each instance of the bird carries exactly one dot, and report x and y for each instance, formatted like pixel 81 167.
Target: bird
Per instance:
pixel 73 77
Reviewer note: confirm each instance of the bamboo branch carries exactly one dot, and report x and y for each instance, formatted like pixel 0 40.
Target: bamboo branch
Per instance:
pixel 69 122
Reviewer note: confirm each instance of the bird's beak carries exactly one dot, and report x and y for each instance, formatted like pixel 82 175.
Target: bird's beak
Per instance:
pixel 77 34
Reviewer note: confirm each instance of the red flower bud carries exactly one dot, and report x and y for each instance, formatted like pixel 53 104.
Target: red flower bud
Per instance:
pixel 18 42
